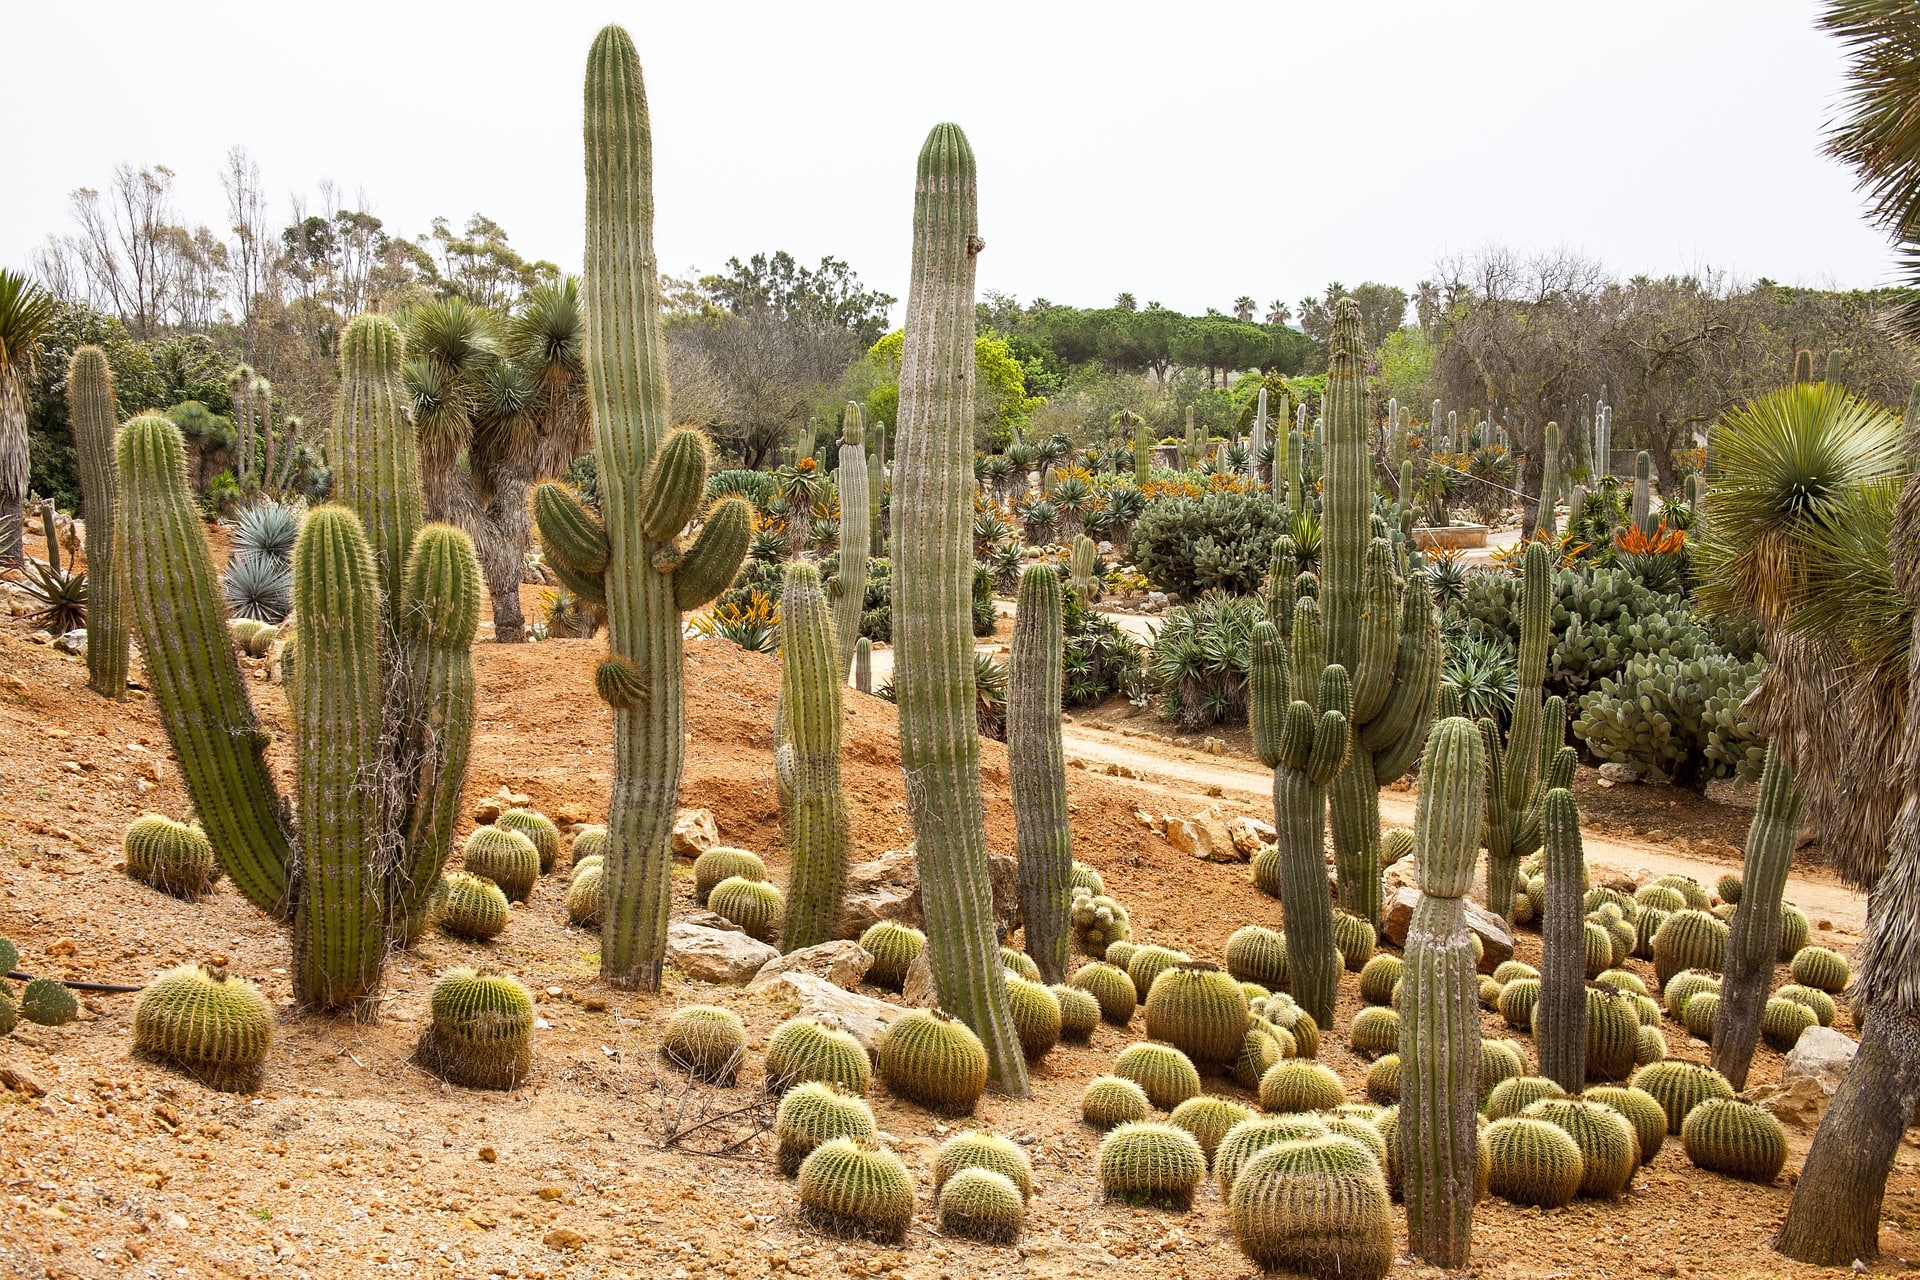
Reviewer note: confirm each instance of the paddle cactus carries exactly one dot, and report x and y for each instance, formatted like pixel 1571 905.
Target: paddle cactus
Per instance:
pixel 1754 937
pixel 214 1027
pixel 1037 769
pixel 48 1002
pixel 94 419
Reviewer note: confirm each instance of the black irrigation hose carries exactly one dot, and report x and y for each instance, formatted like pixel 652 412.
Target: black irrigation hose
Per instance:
pixel 114 988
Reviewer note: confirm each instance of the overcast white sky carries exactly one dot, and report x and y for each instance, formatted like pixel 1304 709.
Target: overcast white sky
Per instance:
pixel 1186 152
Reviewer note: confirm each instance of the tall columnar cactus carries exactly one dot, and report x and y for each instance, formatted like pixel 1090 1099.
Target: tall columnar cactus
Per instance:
pixel 1295 458
pixel 1549 479
pixel 1439 1013
pixel 863 665
pixel 1535 758
pixel 91 411
pixel 1080 568
pixel 1643 492
pixel 381 689
pixel 932 595
pixel 817 832
pixel 1305 744
pixel 1142 454
pixel 651 484
pixel 1560 1016
pixel 1257 438
pixel 1755 937
pixel 1037 767
pixel 856 517
pixel 1381 629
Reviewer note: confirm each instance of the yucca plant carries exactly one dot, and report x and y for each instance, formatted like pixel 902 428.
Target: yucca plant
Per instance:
pixel 26 318
pixel 258 587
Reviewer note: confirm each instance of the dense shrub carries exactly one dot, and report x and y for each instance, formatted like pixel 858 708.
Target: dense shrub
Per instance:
pixel 1677 713
pixel 1602 619
pixel 1100 659
pixel 1221 541
pixel 1200 659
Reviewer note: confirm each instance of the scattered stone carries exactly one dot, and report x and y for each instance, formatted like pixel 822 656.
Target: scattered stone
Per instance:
pixel 1182 836
pixel 1822 1055
pixel 694 832
pixel 1496 943
pixel 498 803
pixel 1214 747
pixel 842 962
pixel 711 920
pixel 715 955
pixel 563 1239
pixel 1614 771
pixel 863 1016
pixel 20 1080
pixel 1799 1103
pixel 888 888
pixel 1404 874
pixel 63 947
pixel 917 988
pixel 1249 835
pixel 488 1155
pixel 74 642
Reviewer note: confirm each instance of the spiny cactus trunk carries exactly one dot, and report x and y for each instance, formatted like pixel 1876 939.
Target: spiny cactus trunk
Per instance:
pixel 1037 768
pixel 1518 781
pixel 1643 492
pixel 1549 480
pixel 91 411
pixel 933 593
pixel 863 665
pixel 817 833
pixel 1439 1015
pixel 856 516
pixel 1755 937
pixel 1560 1016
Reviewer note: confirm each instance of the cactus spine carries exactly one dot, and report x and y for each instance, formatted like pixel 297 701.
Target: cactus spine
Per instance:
pixel 651 484
pixel 91 411
pixel 1549 480
pixel 856 536
pixel 933 585
pixel 1560 1017
pixel 1440 1018
pixel 1381 629
pixel 1037 766
pixel 817 834
pixel 1755 937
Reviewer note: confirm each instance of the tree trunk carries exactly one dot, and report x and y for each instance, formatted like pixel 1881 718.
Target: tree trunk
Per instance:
pixel 14 467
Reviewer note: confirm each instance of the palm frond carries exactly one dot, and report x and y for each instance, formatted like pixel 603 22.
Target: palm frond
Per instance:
pixel 545 336
pixel 1858 602
pixel 1879 131
pixel 26 316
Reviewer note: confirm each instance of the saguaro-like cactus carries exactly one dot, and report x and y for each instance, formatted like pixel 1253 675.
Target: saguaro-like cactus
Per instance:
pixel 863 665
pixel 1381 629
pixel 1142 452
pixel 1305 744
pixel 810 684
pixel 1080 568
pixel 1439 1015
pixel 1560 1016
pixel 1643 492
pixel 91 411
pixel 1549 479
pixel 1037 770
pixel 1755 937
pixel 933 588
pixel 651 483
pixel 1257 438
pixel 856 536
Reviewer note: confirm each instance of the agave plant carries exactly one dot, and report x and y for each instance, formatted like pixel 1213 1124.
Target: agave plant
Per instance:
pixel 60 594
pixel 1304 528
pixel 1200 659
pixel 1446 575
pixel 267 528
pixel 990 696
pixel 1071 496
pixel 1005 558
pixel 258 587
pixel 769 546
pixel 754 626
pixel 1039 518
pixel 989 528
pixel 1480 667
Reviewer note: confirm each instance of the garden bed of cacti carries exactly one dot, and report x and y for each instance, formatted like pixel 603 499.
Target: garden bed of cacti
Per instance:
pixel 350 1159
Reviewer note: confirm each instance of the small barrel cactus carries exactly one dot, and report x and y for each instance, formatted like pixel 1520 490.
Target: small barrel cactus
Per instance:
pixel 1395 843
pixel 508 858
pixel 1690 889
pixel 929 1058
pixel 1166 1074
pixel 1488 990
pixel 214 1027
pixel 1021 963
pixel 590 861
pixel 1120 955
pixel 1679 1087
pixel 1280 1010
pixel 1378 978
pixel 1644 931
pixel 1684 986
pixel 1700 1014
pixel 724 862
pixel 1613 1034
pixel 1821 969
pixel 1735 1138
pixel 1822 1004
pixel 1111 987
pixel 817 1112
pixel 1641 1109
pixel 1518 1000
pixel 851 1188
pixel 536 827
pixel 1375 1031
pixel 973 1149
pixel 482 1029
pixel 705 1041
pixel 1079 1012
pixel 1299 1084
pixel 1729 888
pixel 1622 980
pixel 802 1050
pixel 48 1002
pixel 1598 943
pixel 1082 876
pixel 1036 1016
pixel 1099 925
pixel 1361 1130
pixel 1793 930
pixel 470 906
pixel 1514 1095
pixel 1256 953
pixel 1113 1100
pixel 1534 1162
pixel 1499 1060
pixel 1315 1206
pixel 894 947
pixel 1659 897
pixel 1383 1079
pixel 1265 868
pixel 1145 1163
pixel 979 1204
pixel 1260 1048
pixel 589 842
pixel 1208 1118
pixel 1609 1148
pixel 1252 1136
pixel 1507 970
pixel 586 895
pixel 1199 1010
pixel 173 857
pixel 1690 939
pixel 756 906
pixel 1355 939
pixel 1148 963
pixel 1650 1045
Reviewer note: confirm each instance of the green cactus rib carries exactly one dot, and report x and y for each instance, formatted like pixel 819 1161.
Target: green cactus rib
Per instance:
pixel 1519 777
pixel 192 668
pixel 570 532
pixel 1560 1017
pixel 1549 480
pixel 376 470
pixel 856 517
pixel 94 418
pixel 1754 938
pixel 817 832
pixel 863 665
pixel 339 934
pixel 1037 770
pixel 933 590
pixel 1643 491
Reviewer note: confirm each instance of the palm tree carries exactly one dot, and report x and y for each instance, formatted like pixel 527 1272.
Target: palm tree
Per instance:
pixel 26 315
pixel 1243 309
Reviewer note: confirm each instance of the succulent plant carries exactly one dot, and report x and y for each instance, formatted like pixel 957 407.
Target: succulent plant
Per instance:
pixel 1021 963
pixel 1612 1034
pixel 1518 1000
pixel 1690 939
pixel 1079 1012
pixel 9 1011
pixel 1111 987
pixel 1146 1163
pixel 1395 843
pixel 214 1027
pixel 1700 1013
pixel 1684 986
pixel 1263 1045
pixel 755 905
pixel 1516 1093
pixel 1265 868
pixel 1208 1119
pixel 1822 1004
pixel 1280 1011
pixel 1598 951
pixel 1729 888
pixel 536 827
pixel 1383 1079
pixel 1199 1010
pixel 1756 919
pixel 586 895
pixel 1355 939
pixel 1255 953
pixel 1120 954
pixel 589 842
pixel 1660 897
pixel 802 1050
pixel 1499 1060
pixel 1375 1031
pixel 1299 1084
pixel 1379 977
pixel 1649 1045
pixel 1347 1122
pixel 1036 1016
pixel 1149 962
pixel 1167 1075
pixel 1622 980
pixel 48 1002
pixel 809 722
pixel 173 857
pixel 973 1149
pixel 1609 1148
pixel 1113 1100
pixel 470 906
pixel 934 1060
pixel 94 418
pixel 1082 876
pixel 1641 1109
pixel 1037 765
pixel 980 1204
pixel 850 1188
pixel 1314 1206
pixel 705 1041
pixel 481 1030
pixel 894 947
pixel 1535 1162
pixel 815 1112
pixel 1793 930
pixel 1679 1087
pixel 1692 890
pixel 508 858
pixel 1100 926
pixel 1821 969
pixel 1508 970
pixel 1250 1136
pixel 724 862
pixel 1735 1138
